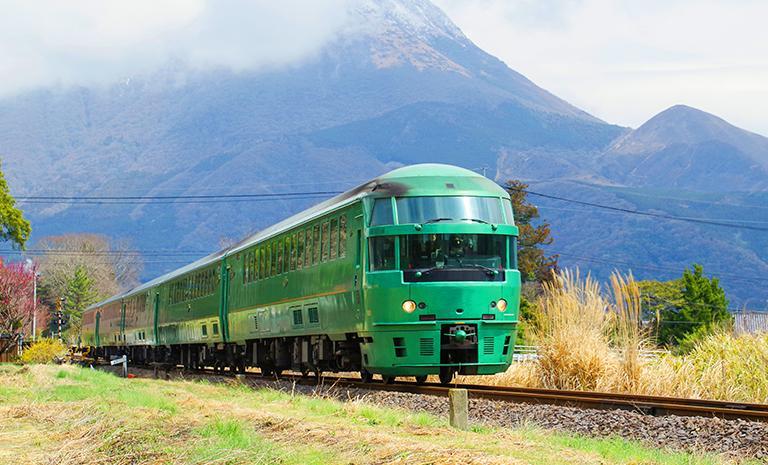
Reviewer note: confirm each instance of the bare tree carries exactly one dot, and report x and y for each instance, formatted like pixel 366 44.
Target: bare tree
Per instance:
pixel 112 265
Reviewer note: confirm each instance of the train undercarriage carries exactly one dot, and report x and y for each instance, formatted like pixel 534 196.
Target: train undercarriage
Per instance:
pixel 302 354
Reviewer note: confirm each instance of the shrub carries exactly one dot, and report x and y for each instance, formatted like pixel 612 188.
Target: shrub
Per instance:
pixel 44 351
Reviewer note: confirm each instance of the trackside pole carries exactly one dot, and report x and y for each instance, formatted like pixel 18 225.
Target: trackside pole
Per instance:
pixel 458 402
pixel 124 361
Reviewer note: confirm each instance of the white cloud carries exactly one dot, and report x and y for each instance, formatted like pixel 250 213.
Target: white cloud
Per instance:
pixel 627 60
pixel 52 42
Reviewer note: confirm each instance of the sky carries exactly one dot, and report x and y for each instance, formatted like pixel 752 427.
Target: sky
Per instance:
pixel 621 60
pixel 626 60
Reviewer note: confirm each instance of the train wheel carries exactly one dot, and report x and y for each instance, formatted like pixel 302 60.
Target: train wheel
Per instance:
pixel 446 376
pixel 366 376
pixel 389 379
pixel 266 372
pixel 421 379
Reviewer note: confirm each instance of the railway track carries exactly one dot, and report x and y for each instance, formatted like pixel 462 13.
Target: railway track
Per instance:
pixel 648 405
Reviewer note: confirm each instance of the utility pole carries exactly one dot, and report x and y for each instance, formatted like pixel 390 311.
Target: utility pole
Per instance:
pixel 29 266
pixel 34 306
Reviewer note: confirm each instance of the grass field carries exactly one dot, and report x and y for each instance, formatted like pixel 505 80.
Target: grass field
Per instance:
pixel 68 415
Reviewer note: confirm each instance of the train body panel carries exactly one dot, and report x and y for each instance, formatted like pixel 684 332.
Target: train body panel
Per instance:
pixel 413 273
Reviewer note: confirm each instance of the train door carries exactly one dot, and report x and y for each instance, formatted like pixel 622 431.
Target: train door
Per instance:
pixel 122 323
pixel 357 285
pixel 224 302
pixel 156 315
pixel 97 340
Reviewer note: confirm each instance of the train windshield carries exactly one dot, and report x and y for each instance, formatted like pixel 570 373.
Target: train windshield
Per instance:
pixel 449 208
pixel 434 252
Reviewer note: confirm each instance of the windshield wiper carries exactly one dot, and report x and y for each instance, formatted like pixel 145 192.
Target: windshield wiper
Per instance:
pixel 488 270
pixel 437 220
pixel 476 220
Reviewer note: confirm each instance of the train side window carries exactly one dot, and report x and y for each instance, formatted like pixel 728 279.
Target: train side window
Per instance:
pixel 256 264
pixel 272 260
pixel 204 330
pixel 382 253
pixel 287 255
pixel 245 269
pixel 308 252
pixel 300 250
pixel 324 241
pixel 342 236
pixel 334 245
pixel 316 244
pixel 508 213
pixel 382 212
pixel 513 252
pixel 215 328
pixel 294 244
pixel 279 246
pixel 262 261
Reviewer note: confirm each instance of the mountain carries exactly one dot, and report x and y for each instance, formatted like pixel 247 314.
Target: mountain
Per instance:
pixel 399 84
pixel 686 148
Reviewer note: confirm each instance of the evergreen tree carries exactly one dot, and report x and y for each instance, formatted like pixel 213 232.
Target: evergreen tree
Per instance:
pixel 702 307
pixel 533 263
pixel 80 294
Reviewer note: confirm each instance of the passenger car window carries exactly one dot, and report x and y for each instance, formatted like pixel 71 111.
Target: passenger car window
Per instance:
pixel 334 247
pixel 324 242
pixel 316 244
pixel 342 236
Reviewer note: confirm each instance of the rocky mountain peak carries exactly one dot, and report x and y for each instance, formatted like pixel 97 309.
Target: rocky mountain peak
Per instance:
pixel 684 125
pixel 412 32
pixel 419 19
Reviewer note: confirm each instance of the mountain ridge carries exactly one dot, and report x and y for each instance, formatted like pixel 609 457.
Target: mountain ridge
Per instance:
pixel 406 86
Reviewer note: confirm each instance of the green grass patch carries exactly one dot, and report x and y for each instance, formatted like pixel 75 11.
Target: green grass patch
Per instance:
pixel 93 416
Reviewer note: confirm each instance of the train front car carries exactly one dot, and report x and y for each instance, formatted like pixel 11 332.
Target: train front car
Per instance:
pixel 442 289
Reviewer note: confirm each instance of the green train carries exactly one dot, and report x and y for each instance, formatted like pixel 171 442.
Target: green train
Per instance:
pixel 411 274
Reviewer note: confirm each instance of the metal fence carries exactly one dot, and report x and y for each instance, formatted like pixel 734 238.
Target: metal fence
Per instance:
pixel 750 322
pixel 530 353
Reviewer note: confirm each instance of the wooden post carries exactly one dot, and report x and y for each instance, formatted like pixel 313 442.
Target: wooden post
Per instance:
pixel 240 378
pixel 458 408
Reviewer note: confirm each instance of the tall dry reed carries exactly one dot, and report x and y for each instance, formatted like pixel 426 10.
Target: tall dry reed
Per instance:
pixel 590 341
pixel 629 337
pixel 571 331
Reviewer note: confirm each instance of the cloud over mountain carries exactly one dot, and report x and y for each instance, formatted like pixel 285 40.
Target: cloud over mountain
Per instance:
pixel 85 42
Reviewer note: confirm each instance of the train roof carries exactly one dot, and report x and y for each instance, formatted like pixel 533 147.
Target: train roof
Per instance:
pixel 413 180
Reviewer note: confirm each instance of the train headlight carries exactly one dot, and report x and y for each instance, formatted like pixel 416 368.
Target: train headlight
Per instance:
pixel 409 306
pixel 501 305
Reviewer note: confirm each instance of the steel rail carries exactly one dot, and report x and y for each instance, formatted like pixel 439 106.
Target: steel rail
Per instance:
pixel 648 405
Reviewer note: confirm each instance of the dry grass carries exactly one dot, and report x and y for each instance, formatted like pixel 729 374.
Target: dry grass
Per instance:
pixel 590 341
pixel 73 416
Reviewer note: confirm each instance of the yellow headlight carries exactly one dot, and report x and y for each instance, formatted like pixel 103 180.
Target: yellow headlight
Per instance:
pixel 501 305
pixel 409 306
